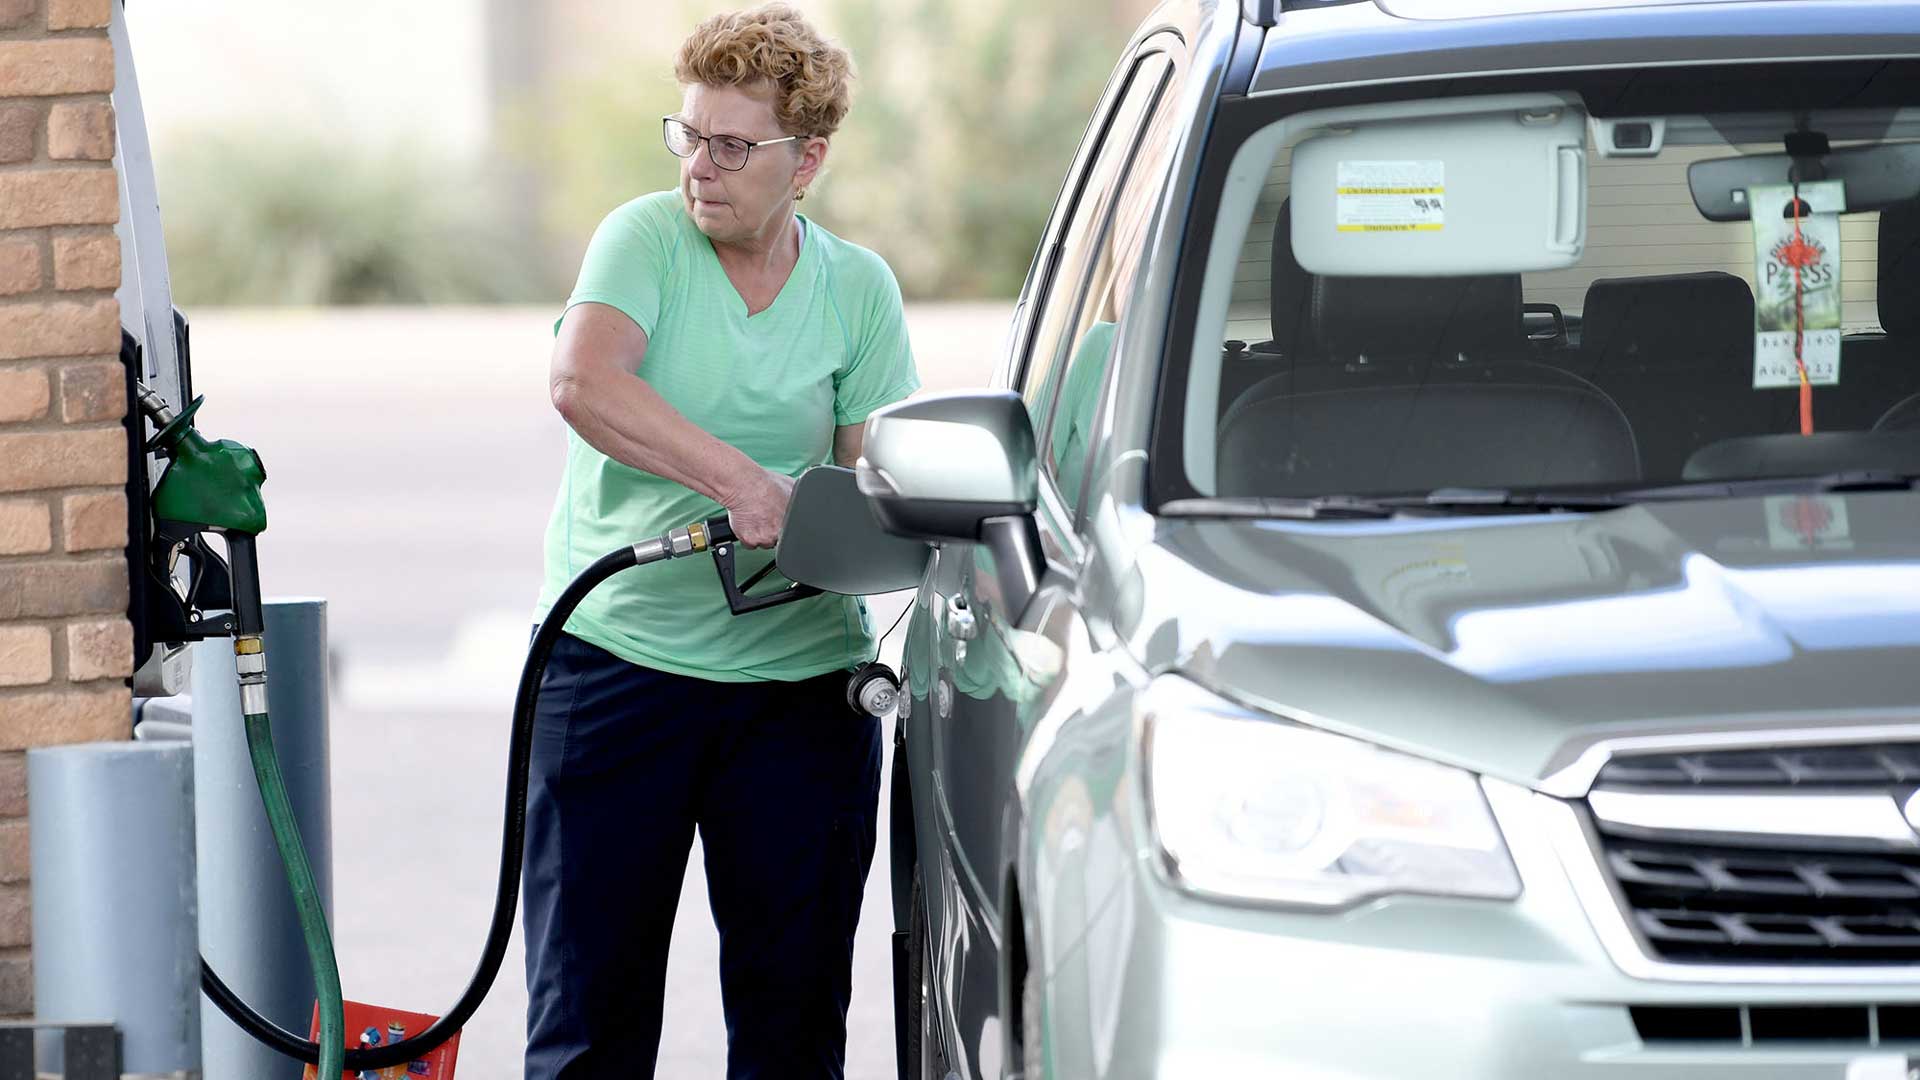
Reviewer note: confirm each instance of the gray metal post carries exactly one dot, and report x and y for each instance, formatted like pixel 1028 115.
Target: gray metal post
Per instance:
pixel 91 1051
pixel 114 931
pixel 16 1051
pixel 249 931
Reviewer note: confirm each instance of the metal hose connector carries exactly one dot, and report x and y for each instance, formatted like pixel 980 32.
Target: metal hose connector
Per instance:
pixel 154 405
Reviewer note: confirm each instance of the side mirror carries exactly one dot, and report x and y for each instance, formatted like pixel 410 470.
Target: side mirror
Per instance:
pixel 938 467
pixel 961 466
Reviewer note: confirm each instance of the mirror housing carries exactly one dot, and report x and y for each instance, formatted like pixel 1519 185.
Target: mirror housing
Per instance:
pixel 961 466
pixel 939 467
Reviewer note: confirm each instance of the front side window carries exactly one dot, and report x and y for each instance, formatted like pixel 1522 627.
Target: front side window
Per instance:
pixel 1535 292
pixel 1055 328
pixel 1069 396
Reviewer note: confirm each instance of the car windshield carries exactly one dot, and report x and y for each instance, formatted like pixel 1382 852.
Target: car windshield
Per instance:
pixel 1514 293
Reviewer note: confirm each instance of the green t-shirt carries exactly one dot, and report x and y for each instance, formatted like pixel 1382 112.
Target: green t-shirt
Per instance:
pixel 831 349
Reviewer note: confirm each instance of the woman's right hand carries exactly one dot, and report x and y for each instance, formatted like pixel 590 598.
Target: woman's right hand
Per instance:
pixel 760 508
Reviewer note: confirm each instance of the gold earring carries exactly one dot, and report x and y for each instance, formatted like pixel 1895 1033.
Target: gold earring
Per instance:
pixel 799 194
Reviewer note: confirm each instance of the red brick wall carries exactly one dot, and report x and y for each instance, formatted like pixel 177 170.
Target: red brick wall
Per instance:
pixel 65 646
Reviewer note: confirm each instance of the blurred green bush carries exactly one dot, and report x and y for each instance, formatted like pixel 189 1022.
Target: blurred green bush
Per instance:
pixel 965 115
pixel 264 218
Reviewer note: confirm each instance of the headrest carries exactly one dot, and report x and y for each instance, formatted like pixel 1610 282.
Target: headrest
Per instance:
pixel 1688 320
pixel 1900 270
pixel 1487 426
pixel 1350 316
pixel 1291 287
pixel 1904 416
pixel 1806 455
pixel 1476 317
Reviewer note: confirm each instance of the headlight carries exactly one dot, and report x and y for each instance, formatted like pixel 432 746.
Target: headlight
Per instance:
pixel 1249 807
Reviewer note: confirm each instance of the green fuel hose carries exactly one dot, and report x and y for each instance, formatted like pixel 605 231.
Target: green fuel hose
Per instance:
pixel 676 543
pixel 306 894
pixel 250 666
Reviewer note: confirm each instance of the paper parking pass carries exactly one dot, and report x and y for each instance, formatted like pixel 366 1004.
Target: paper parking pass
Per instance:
pixel 1796 304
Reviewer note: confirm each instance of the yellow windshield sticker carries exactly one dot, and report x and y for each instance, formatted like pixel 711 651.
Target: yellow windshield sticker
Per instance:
pixel 1390 196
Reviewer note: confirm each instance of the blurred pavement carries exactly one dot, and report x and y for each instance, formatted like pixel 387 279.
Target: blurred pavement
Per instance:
pixel 411 459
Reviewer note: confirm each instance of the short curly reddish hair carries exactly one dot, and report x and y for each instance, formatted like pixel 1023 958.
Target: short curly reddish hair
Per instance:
pixel 774 44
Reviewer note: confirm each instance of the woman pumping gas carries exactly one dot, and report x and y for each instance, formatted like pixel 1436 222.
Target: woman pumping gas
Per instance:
pixel 718 343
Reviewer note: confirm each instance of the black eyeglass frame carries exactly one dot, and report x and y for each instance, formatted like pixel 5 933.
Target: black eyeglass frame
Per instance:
pixel 666 128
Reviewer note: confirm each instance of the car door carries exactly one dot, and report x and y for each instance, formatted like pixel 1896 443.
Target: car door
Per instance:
pixel 984 687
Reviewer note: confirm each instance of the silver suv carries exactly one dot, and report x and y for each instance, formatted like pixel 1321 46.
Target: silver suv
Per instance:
pixel 1437 591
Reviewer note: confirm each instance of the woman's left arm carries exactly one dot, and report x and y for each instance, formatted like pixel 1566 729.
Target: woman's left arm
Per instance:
pixel 847 440
pixel 880 371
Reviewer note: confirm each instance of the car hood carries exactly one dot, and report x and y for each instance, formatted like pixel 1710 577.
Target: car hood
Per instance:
pixel 1509 644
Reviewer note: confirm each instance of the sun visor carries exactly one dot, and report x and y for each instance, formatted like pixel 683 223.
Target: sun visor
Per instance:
pixel 1487 186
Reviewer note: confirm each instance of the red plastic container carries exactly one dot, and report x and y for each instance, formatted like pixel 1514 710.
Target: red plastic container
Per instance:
pixel 376 1025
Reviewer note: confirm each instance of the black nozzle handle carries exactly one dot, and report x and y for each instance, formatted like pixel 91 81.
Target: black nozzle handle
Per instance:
pixel 249 614
pixel 722 542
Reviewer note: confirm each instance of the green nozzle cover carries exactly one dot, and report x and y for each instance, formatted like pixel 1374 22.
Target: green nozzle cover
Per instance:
pixel 215 485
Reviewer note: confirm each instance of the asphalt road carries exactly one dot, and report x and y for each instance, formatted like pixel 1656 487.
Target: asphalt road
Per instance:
pixel 411 459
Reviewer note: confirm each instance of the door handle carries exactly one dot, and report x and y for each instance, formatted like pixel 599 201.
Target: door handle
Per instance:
pixel 960 621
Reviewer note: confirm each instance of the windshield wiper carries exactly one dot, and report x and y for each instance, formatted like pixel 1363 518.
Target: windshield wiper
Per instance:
pixel 1318 508
pixel 1497 500
pixel 1355 507
pixel 1503 500
pixel 1827 483
pixel 1463 500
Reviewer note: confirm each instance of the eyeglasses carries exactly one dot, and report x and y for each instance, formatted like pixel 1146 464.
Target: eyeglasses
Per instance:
pixel 727 151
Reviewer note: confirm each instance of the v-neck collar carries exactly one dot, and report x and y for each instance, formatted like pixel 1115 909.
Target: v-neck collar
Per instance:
pixel 802 264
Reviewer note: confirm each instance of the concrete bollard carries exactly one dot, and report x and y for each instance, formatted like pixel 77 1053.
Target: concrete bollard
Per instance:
pixel 114 922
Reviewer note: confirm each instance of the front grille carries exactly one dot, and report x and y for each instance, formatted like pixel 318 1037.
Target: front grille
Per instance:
pixel 1713 860
pixel 1694 903
pixel 1881 765
pixel 1773 1025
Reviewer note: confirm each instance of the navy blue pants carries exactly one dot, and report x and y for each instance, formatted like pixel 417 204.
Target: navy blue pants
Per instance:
pixel 783 782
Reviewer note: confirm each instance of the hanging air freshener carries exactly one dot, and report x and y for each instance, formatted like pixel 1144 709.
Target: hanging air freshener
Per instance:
pixel 1796 312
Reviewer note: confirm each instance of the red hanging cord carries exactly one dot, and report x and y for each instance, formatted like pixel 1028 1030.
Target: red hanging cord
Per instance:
pixel 1798 254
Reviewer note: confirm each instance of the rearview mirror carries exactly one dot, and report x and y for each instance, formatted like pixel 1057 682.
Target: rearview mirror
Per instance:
pixel 1876 177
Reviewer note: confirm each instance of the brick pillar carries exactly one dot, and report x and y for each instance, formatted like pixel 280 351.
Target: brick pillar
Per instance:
pixel 66 649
